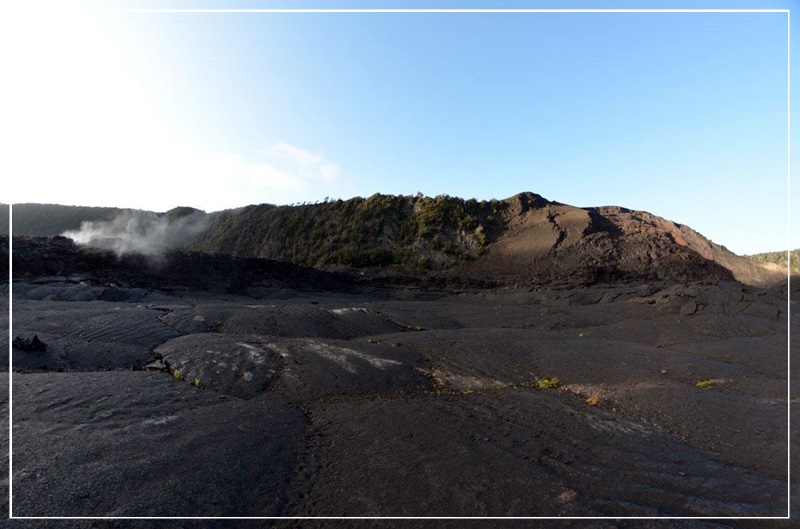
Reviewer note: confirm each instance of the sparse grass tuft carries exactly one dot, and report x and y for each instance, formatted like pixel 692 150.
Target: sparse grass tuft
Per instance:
pixel 593 400
pixel 704 384
pixel 549 383
pixel 177 375
pixel 437 384
pixel 196 382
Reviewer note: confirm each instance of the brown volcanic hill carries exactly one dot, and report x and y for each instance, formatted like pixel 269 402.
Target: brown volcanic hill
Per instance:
pixel 549 242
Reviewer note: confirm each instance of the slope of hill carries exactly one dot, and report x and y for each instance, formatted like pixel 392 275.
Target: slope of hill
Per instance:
pixel 550 242
pixel 47 220
pixel 523 239
pixel 415 232
pixel 780 260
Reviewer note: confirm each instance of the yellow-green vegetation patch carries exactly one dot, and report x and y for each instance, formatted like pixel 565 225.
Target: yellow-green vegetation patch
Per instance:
pixel 591 394
pixel 437 384
pixel 704 384
pixel 549 383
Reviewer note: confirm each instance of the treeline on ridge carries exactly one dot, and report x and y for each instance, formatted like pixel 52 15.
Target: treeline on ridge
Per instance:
pixel 47 220
pixel 779 258
pixel 415 231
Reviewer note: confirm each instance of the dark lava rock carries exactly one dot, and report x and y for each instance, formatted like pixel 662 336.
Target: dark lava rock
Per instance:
pixel 141 444
pixel 61 257
pixel 517 453
pixel 31 345
pixel 246 365
pixel 235 365
pixel 89 335
pixel 291 320
pixel 315 368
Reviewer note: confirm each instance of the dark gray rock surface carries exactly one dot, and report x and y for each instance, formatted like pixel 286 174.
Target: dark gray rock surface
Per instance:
pixel 135 443
pixel 410 402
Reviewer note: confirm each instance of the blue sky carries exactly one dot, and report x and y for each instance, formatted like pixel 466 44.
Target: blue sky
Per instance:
pixel 680 114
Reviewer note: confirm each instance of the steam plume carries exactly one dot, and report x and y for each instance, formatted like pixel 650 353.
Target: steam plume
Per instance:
pixel 142 232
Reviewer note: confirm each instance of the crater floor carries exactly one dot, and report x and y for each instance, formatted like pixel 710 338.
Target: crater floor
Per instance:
pixel 400 402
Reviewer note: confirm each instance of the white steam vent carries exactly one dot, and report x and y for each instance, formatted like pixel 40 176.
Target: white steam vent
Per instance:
pixel 142 232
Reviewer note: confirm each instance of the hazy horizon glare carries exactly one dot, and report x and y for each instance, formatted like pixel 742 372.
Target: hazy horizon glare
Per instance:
pixel 683 115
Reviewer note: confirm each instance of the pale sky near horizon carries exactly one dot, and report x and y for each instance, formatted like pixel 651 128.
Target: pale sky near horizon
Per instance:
pixel 683 115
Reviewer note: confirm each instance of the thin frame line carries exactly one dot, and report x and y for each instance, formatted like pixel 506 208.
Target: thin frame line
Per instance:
pixel 788 516
pixel 144 10
pixel 401 518
pixel 789 263
pixel 10 354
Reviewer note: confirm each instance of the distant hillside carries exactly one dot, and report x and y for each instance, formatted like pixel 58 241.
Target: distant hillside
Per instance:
pixel 522 239
pixel 525 238
pixel 779 259
pixel 381 230
pixel 47 220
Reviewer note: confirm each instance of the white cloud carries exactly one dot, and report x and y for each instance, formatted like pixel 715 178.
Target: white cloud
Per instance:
pixel 311 166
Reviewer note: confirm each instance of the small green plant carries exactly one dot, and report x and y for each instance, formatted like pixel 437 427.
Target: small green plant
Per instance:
pixel 704 384
pixel 549 383
pixel 196 382
pixel 177 375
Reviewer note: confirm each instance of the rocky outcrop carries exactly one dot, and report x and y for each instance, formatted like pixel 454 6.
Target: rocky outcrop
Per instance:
pixel 547 242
